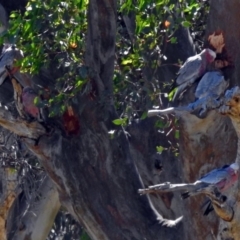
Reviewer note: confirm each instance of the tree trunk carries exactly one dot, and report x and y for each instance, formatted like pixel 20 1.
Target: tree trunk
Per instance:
pixel 36 216
pixel 98 177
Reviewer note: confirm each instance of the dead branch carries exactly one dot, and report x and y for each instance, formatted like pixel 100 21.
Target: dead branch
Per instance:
pixel 167 187
pixel 19 126
pixel 38 218
pixel 220 205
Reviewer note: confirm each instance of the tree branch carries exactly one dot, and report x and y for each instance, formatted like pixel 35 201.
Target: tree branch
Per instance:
pixel 19 126
pixel 37 218
pixel 167 187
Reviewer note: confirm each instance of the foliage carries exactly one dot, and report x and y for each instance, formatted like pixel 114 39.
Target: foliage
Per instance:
pixel 48 30
pixel 140 57
pixel 53 32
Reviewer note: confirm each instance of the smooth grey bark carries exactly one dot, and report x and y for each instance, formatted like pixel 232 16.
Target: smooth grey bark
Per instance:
pixel 33 218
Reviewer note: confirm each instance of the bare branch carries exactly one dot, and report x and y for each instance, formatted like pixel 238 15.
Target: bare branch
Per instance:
pixel 167 187
pixel 37 220
pixel 155 112
pixel 19 126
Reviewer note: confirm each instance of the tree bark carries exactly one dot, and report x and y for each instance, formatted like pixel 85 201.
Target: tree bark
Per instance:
pixel 98 177
pixel 34 218
pixel 210 143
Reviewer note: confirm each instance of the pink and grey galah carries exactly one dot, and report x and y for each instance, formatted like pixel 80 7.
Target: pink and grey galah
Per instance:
pixel 222 178
pixel 194 68
pixel 28 96
pixel 10 54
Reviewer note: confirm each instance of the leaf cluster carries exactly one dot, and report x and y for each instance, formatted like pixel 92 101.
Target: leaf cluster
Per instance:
pixel 141 50
pixel 53 32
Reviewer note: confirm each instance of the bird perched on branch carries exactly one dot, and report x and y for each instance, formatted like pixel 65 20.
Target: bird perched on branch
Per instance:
pixel 209 93
pixel 222 178
pixel 10 54
pixel 28 96
pixel 192 69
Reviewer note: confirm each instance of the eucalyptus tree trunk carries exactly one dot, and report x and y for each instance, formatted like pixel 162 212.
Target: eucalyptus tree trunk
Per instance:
pixel 97 177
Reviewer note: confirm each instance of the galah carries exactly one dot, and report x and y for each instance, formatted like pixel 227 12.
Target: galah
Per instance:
pixel 28 96
pixel 9 54
pixel 192 69
pixel 209 91
pixel 211 84
pixel 222 178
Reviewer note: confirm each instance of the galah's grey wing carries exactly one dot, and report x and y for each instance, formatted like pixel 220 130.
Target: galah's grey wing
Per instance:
pixel 189 72
pixel 199 186
pixel 10 54
pixel 212 83
pixel 215 176
pixel 180 90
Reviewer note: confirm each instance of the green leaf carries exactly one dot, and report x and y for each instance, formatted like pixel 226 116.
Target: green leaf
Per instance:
pixel 186 24
pixel 127 61
pixel 79 83
pixel 160 149
pixel 120 121
pixel 144 115
pixel 176 154
pixel 84 236
pixel 173 40
pixel 53 113
pixel 36 100
pixel 63 108
pixel 13 15
pixel 160 124
pixel 177 134
pixel 60 97
pixel 171 94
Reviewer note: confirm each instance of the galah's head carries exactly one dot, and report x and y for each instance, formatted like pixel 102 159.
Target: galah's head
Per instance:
pixel 210 54
pixel 11 48
pixel 28 90
pixel 235 167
